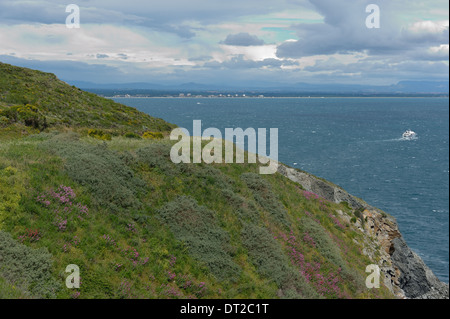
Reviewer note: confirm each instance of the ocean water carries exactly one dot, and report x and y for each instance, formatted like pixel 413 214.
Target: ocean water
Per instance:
pixel 355 143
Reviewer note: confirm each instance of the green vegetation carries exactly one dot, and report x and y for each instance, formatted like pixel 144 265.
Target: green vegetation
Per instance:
pixel 265 197
pixel 39 100
pixel 99 134
pixel 27 268
pixel 153 135
pixel 268 258
pixel 80 191
pixel 359 214
pixel 102 172
pixel 198 228
pixel 132 135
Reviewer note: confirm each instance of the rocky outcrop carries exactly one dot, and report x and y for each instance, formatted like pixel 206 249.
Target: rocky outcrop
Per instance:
pixel 383 230
pixel 320 187
pixel 416 279
pixel 404 272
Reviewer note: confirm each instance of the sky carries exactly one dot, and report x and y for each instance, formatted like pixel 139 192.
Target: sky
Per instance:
pixel 245 43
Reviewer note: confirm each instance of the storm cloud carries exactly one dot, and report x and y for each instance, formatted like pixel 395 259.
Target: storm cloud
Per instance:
pixel 243 39
pixel 344 31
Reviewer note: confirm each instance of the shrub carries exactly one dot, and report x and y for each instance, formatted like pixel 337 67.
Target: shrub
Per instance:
pixel 245 209
pixel 211 176
pixel 27 268
pixel 325 245
pixel 132 135
pixel 198 227
pixel 157 156
pixel 153 135
pixel 112 183
pixel 29 115
pixel 99 134
pixel 267 256
pixel 265 197
pixel 359 214
pixel 3 120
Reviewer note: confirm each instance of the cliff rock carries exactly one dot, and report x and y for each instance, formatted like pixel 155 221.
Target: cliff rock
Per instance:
pixel 404 272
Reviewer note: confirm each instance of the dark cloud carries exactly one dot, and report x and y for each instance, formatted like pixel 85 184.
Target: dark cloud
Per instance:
pixel 344 32
pixel 243 39
pixel 166 16
pixel 425 37
pixel 243 73
pixel 183 31
pixel 201 58
pixel 239 62
pixel 102 56
pixel 369 68
pixel 122 56
pixel 439 53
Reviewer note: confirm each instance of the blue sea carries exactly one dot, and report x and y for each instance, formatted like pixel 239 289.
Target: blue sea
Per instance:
pixel 355 143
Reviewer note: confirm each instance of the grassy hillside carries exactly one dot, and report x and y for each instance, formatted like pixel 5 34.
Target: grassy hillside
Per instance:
pixel 39 100
pixel 139 226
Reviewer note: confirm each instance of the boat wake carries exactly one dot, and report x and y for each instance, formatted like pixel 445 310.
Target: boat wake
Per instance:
pixel 392 140
pixel 402 139
pixel 406 137
pixel 415 138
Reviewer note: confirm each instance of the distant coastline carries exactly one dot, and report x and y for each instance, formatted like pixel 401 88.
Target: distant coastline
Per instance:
pixel 272 96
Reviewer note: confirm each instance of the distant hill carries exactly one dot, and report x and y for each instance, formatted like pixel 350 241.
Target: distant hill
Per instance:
pixel 422 87
pixel 403 87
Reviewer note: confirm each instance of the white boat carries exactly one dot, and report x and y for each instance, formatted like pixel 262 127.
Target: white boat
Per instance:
pixel 409 135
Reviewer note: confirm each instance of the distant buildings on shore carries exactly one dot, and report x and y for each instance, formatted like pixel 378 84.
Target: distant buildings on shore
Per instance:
pixel 189 95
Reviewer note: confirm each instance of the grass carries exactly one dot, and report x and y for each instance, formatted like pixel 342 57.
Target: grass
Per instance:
pixel 139 226
pixel 39 100
pixel 206 216
pixel 8 291
pixel 198 228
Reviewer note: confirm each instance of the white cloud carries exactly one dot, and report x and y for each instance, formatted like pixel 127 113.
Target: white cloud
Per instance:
pixel 255 53
pixel 429 26
pixel 442 49
pixel 84 44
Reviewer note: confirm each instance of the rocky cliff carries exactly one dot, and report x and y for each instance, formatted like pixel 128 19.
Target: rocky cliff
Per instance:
pixel 404 272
